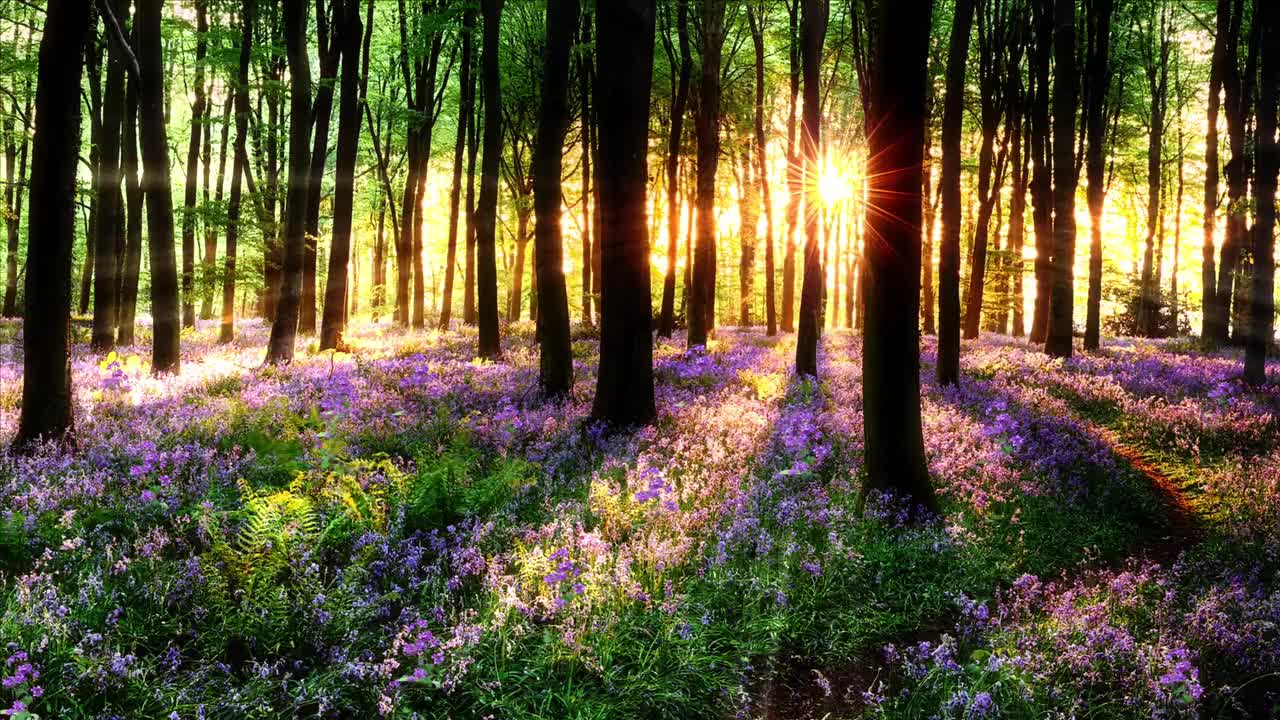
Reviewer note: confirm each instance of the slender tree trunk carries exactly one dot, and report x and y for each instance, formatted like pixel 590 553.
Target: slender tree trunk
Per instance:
pixel 93 69
pixel 1174 303
pixel 133 216
pixel 467 95
pixel 469 315
pixel 948 367
pixel 679 104
pixel 1042 169
pixel 555 353
pixel 15 191
pixel 1098 71
pixel 1208 273
pixel 584 91
pixel 348 39
pixel 624 53
pixel 795 194
pixel 812 30
pixel 47 407
pixel 515 300
pixel 1157 76
pixel 1237 110
pixel 193 168
pixel 895 458
pixel 248 13
pixel 926 248
pixel 209 265
pixel 1021 155
pixel 1058 341
pixel 749 213
pixel 284 329
pixel 106 283
pixel 487 211
pixel 756 22
pixel 322 115
pixel 707 120
pixel 1262 308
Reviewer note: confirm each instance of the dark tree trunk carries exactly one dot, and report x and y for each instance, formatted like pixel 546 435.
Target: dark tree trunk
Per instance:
pixel 948 368
pixel 47 409
pixel 469 273
pixel 106 283
pixel 749 213
pixel 487 212
pixel 193 167
pixel 667 317
pixel 159 193
pixel 13 195
pixel 467 95
pixel 1042 169
pixel 624 54
pixel 812 30
pixel 329 53
pixel 1098 71
pixel 555 353
pixel 248 12
pixel 93 69
pixel 1237 110
pixel 795 195
pixel 134 201
pixel 762 172
pixel 284 328
pixel 1262 297
pixel 1058 339
pixel 335 292
pixel 926 248
pixel 707 120
pixel 1021 158
pixel 1208 273
pixel 584 89
pixel 1157 72
pixel 891 338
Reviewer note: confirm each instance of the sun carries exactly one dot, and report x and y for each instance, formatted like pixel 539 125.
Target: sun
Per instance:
pixel 835 182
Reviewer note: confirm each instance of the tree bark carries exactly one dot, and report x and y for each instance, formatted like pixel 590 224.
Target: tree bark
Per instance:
pixel 707 120
pixel 240 159
pixel 284 329
pixel 466 100
pixel 1098 71
pixel 47 407
pixel 1042 169
pixel 193 167
pixel 322 115
pixel 813 28
pixel 948 367
pixel 679 105
pixel 1058 341
pixel 487 210
pixel 134 202
pixel 624 54
pixel 795 194
pixel 894 440
pixel 1262 308
pixel 1208 273
pixel 106 283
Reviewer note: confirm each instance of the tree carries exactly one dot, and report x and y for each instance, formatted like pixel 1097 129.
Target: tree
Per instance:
pixel 47 410
pixel 707 121
pixel 134 202
pixel 1058 339
pixel 1262 312
pixel 1213 104
pixel 198 120
pixel 948 367
pixel 756 21
pixel 1041 166
pixel 335 292
pixel 813 28
pixel 487 210
pixel 238 169
pixel 159 193
pixel 891 338
pixel 555 353
pixel 284 329
pixel 1155 58
pixel 329 52
pixel 106 283
pixel 679 103
pixel 1098 71
pixel 624 54
pixel 795 195
pixel 466 104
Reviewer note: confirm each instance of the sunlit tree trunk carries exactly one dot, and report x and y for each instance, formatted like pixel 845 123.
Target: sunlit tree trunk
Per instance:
pixel 106 287
pixel 466 97
pixel 624 53
pixel 584 91
pixel 208 269
pixel 284 328
pixel 47 409
pixel 749 213
pixel 679 103
pixel 1042 168
pixel 1262 309
pixel 469 272
pixel 198 111
pixel 756 22
pixel 1237 95
pixel 948 367
pixel 487 211
pixel 134 203
pixel 1208 273
pixel 795 195
pixel 813 29
pixel 1058 340
pixel 702 299
pixel 93 70
pixel 16 151
pixel 1156 68
pixel 1098 72
pixel 895 459
pixel 328 53
pixel 238 166
pixel 926 249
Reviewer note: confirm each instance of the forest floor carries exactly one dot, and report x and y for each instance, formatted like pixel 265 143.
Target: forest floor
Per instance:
pixel 402 531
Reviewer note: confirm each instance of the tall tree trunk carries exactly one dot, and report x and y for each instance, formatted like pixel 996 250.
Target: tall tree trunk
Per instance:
pixel 1157 72
pixel 47 408
pixel 329 54
pixel 487 210
pixel 584 90
pixel 515 300
pixel 1262 308
pixel 895 458
pixel 707 120
pixel 1208 274
pixel 1174 303
pixel 1021 158
pixel 1098 72
pixel 193 167
pixel 14 193
pixel 926 248
pixel 134 202
pixel 624 53
pixel 469 315
pixel 209 264
pixel 166 324
pixel 348 39
pixel 749 213
pixel 948 367
pixel 813 28
pixel 756 22
pixel 467 95
pixel 679 105
pixel 106 284
pixel 93 68
pixel 284 329
pixel 1042 169
pixel 555 354
pixel 247 15
pixel 1237 110
pixel 795 193
pixel 1058 341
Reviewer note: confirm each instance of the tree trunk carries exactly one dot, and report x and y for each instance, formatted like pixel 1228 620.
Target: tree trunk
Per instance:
pixel 624 54
pixel 1208 274
pixel 1262 308
pixel 1058 340
pixel 93 68
pixel 812 30
pixel 467 95
pixel 707 120
pixel 1042 169
pixel 1098 71
pixel 322 115
pixel 749 212
pixel 284 329
pixel 106 283
pixel 1157 72
pixel 756 23
pixel 926 248
pixel 1021 157
pixel 895 458
pixel 193 167
pixel 487 210
pixel 159 194
pixel 1237 110
pixel 555 353
pixel 795 194
pixel 348 38
pixel 240 159
pixel 948 367
pixel 47 407
pixel 584 90
pixel 469 273
pixel 679 104
pixel 134 201
pixel 13 195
